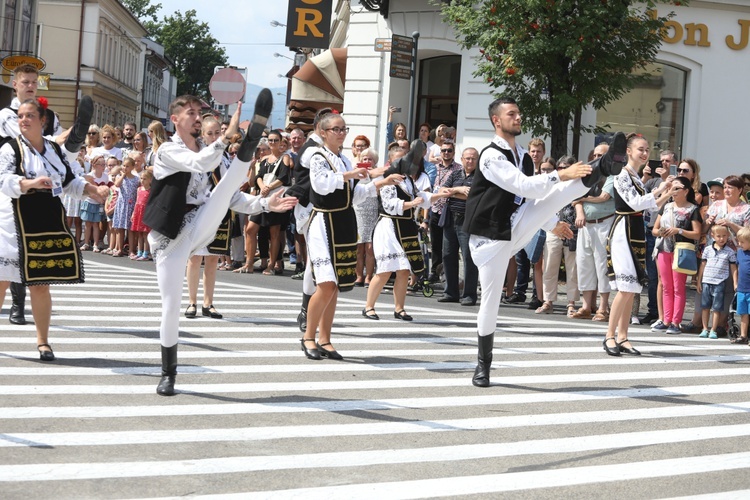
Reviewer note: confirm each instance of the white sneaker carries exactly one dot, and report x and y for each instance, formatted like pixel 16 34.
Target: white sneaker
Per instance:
pixel 634 320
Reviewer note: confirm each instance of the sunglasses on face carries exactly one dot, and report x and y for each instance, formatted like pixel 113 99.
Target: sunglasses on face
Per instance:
pixel 446 150
pixel 93 133
pixel 683 170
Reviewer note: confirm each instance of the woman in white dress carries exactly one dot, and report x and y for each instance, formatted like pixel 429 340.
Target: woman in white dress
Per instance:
pixel 396 236
pixel 332 232
pixel 34 173
pixel 626 246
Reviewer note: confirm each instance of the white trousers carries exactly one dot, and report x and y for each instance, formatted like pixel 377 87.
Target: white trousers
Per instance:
pixel 198 232
pixel 591 256
pixel 492 256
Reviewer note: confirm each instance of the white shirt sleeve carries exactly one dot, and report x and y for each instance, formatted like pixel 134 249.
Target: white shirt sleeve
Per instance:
pixel 626 189
pixel 173 157
pixel 390 200
pixel 10 183
pixel 248 204
pixel 323 179
pixel 498 170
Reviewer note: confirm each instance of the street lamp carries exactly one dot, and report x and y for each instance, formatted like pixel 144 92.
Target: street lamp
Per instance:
pixel 276 54
pixel 276 24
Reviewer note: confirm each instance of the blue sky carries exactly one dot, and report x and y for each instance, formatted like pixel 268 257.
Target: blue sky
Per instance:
pixel 244 29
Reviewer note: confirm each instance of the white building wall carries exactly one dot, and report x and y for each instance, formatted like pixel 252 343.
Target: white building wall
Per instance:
pixel 717 108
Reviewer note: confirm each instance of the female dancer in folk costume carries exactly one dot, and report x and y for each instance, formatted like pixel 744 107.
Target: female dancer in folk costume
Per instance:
pixel 626 247
pixel 396 238
pixel 332 234
pixel 36 246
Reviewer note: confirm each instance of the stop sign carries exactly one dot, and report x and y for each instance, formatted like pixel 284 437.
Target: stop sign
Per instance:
pixel 227 86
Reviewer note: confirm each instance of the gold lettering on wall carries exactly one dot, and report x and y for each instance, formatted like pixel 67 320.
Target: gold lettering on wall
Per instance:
pixel 744 35
pixel 670 26
pixel 693 29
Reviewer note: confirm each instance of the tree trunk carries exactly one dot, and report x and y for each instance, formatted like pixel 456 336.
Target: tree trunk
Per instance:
pixel 577 134
pixel 559 131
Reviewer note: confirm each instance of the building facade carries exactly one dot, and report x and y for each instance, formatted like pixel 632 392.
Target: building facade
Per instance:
pixel 92 47
pixel 19 36
pixel 159 86
pixel 694 103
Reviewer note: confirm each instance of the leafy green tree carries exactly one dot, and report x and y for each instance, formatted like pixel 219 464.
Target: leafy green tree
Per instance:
pixel 557 56
pixel 188 43
pixel 145 12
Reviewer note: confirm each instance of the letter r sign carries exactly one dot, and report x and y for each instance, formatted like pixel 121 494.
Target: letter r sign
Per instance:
pixel 309 24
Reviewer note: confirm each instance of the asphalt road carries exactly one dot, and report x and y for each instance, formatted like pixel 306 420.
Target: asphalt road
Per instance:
pixel 398 418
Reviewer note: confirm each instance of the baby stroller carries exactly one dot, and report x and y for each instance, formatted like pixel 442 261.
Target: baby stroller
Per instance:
pixel 733 329
pixel 423 282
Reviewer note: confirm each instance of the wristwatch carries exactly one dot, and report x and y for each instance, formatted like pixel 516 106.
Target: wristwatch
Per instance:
pixel 680 231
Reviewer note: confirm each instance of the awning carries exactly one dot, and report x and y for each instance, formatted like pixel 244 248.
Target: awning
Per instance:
pixel 319 83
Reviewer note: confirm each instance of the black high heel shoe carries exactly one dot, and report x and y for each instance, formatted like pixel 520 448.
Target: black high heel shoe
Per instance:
pixel 628 350
pixel 402 315
pixel 370 316
pixel 329 354
pixel 612 351
pixel 313 353
pixel 211 312
pixel 45 355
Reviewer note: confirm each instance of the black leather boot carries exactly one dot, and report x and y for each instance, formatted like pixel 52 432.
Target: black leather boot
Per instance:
pixel 77 137
pixel 482 372
pixel 168 371
pixel 302 318
pixel 18 295
pixel 263 108
pixel 609 164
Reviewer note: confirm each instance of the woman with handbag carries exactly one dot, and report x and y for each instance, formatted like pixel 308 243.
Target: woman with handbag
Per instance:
pixel 275 174
pixel 677 228
pixel 626 244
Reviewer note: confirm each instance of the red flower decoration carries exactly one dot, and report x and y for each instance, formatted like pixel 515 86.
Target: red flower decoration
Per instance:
pixel 43 102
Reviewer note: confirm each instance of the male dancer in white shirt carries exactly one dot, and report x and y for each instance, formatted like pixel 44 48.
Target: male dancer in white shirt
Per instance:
pixel 184 212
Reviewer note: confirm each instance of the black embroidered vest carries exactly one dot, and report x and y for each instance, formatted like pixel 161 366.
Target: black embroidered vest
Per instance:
pixel 489 207
pixel 165 208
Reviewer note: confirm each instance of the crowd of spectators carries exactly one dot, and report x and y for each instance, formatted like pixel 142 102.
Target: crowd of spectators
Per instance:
pixel 708 215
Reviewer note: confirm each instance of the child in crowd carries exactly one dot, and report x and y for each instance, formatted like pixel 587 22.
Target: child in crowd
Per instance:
pixel 92 213
pixel 127 182
pixel 717 261
pixel 743 283
pixel 139 229
pixel 112 169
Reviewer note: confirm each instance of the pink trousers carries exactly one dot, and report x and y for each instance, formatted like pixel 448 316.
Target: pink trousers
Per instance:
pixel 673 287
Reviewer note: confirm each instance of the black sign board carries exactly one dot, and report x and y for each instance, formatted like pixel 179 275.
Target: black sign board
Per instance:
pixel 308 24
pixel 402 56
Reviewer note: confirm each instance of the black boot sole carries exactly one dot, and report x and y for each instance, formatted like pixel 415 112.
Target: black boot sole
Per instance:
pixel 263 108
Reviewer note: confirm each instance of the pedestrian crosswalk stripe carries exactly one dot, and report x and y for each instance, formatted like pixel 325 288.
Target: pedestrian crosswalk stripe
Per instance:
pixel 348 459
pixel 519 481
pixel 117 438
pixel 275 387
pixel 314 406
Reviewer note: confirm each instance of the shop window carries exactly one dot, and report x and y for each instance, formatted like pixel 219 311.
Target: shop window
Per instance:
pixel 438 87
pixel 654 109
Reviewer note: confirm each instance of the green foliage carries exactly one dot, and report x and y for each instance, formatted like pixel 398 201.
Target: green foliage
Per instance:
pixel 189 44
pixel 557 56
pixel 145 12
